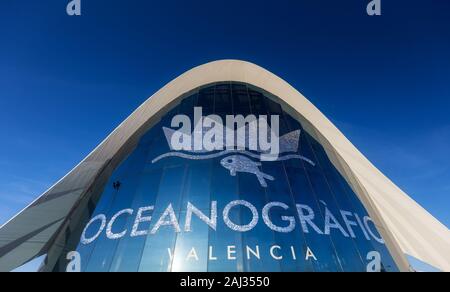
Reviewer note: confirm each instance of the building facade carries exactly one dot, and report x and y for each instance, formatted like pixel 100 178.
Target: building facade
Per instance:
pixel 227 168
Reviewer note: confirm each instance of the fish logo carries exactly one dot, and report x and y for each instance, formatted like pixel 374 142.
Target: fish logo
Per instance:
pixel 240 163
pixel 247 157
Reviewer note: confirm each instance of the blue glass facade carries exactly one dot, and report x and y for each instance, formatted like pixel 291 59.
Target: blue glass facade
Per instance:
pixel 307 218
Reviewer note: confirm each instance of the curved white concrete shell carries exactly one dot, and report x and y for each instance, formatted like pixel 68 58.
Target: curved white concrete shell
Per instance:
pixel 407 228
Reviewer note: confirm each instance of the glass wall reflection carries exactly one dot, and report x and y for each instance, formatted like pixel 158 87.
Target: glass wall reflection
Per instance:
pixel 307 216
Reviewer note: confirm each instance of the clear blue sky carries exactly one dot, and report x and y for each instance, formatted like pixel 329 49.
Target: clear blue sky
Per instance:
pixel 66 83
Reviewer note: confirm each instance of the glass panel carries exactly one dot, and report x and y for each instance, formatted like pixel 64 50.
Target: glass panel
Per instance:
pixel 128 253
pixel 206 100
pixel 223 103
pixel 241 101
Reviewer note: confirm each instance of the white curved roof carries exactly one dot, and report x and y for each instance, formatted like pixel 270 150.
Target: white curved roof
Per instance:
pixel 406 227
